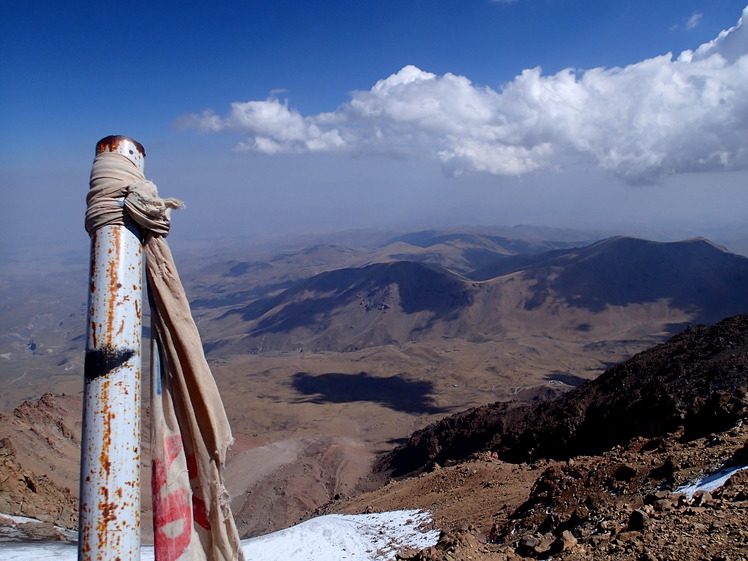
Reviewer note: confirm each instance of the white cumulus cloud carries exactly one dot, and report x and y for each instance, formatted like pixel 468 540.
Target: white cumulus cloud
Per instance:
pixel 643 122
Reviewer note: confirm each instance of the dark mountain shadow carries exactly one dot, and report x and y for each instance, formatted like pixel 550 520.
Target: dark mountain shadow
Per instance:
pixel 394 392
pixel 243 267
pixel 694 275
pixel 695 383
pixel 223 297
pixel 506 264
pixel 566 378
pixel 311 302
pixel 479 257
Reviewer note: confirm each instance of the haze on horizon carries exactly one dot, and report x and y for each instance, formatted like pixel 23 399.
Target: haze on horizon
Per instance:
pixel 291 118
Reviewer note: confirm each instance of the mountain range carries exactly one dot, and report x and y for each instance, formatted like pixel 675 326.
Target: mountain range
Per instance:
pixel 486 294
pixel 328 356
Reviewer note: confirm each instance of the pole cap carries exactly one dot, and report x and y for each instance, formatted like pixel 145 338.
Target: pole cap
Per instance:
pixel 124 145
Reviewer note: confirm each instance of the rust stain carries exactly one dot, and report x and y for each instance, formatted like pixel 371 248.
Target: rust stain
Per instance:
pixel 86 542
pixel 114 284
pixel 107 515
pixel 106 441
pixel 111 143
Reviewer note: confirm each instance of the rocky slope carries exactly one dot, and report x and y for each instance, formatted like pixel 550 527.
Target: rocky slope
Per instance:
pixel 624 504
pixel 24 493
pixel 598 474
pixel 616 498
pixel 697 380
pixel 272 485
pixel 43 436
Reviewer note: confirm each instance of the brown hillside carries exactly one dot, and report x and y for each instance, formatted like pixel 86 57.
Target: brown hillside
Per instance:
pixel 670 415
pixel 697 380
pixel 570 293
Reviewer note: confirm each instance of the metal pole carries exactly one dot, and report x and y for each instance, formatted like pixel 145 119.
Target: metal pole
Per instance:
pixel 109 515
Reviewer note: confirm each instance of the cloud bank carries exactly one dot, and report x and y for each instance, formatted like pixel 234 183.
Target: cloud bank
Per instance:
pixel 661 116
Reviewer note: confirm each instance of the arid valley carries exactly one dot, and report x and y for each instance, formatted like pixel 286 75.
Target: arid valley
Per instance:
pixel 331 353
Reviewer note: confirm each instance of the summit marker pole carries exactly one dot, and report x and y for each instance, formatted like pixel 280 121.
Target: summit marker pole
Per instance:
pixel 109 514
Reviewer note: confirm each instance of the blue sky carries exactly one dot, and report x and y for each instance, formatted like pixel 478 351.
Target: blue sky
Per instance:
pixel 385 114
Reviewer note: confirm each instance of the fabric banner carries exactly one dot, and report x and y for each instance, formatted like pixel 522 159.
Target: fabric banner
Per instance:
pixel 190 432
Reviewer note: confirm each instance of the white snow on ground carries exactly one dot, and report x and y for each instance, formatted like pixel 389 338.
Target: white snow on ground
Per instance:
pixel 361 537
pixel 710 482
pixel 336 536
pixel 7 529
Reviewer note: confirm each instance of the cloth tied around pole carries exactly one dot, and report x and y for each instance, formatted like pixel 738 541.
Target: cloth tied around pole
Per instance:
pixel 190 433
pixel 120 192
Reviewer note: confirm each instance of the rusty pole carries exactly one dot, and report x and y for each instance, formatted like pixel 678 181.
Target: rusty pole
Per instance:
pixel 109 516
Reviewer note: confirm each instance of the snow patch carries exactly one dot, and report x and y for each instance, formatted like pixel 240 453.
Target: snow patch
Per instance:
pixel 710 482
pixel 9 528
pixel 361 537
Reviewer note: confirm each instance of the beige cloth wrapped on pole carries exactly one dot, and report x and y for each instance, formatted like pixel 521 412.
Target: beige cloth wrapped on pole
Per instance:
pixel 190 431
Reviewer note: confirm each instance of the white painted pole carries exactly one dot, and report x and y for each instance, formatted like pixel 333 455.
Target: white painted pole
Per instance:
pixel 109 515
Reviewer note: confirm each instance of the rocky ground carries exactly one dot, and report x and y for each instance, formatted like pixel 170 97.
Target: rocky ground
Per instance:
pixel 622 505
pixel 695 382
pixel 30 484
pixel 597 474
pixel 23 493
pixel 665 418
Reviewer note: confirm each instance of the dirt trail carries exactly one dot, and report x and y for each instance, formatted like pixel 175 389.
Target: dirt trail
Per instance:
pixel 276 485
